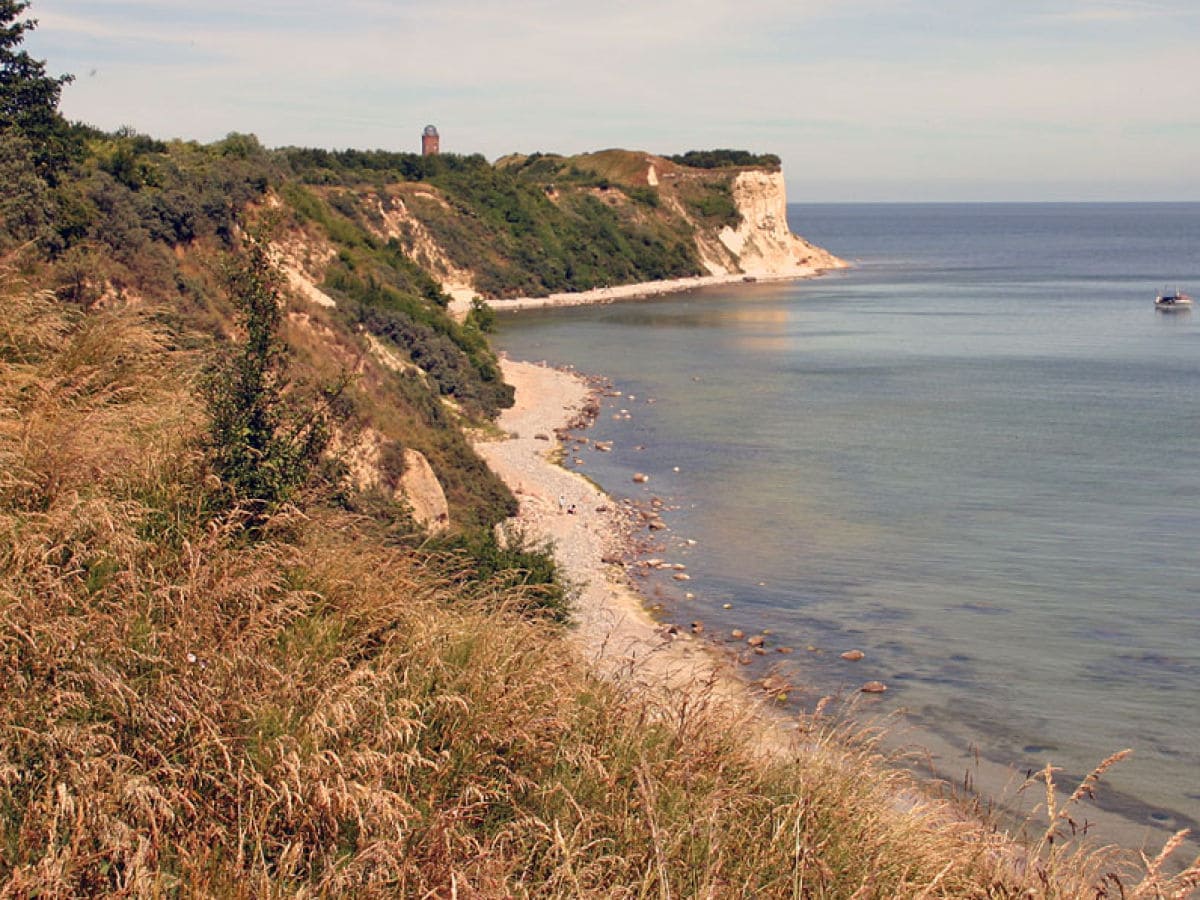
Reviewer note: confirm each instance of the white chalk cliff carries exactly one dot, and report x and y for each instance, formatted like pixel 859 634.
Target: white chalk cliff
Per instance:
pixel 762 244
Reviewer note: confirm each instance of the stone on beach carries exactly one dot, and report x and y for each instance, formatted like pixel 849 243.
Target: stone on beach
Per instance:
pixel 853 655
pixel 873 687
pixel 640 478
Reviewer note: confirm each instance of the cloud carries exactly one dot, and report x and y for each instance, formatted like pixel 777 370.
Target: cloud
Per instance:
pixel 1119 11
pixel 923 88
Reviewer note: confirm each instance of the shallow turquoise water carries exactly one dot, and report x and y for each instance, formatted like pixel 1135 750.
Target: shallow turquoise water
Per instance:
pixel 972 456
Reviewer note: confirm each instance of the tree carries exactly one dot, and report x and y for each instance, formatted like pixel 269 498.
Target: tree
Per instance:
pixel 28 96
pixel 262 448
pixel 24 198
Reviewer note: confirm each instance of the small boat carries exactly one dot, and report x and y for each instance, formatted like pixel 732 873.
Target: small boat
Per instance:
pixel 1176 300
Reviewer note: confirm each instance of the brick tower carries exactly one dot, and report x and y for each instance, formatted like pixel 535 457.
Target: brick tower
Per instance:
pixel 430 141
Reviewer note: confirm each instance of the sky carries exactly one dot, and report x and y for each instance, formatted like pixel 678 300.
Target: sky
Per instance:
pixel 864 100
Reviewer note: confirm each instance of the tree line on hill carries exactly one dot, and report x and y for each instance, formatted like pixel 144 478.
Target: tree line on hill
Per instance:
pixel 723 159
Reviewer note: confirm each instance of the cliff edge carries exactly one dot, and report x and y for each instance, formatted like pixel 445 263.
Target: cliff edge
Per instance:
pixel 763 244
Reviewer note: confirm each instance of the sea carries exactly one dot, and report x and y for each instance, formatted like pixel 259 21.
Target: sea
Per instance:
pixel 972 456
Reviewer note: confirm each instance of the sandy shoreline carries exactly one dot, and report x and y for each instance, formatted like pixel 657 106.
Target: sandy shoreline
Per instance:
pixel 613 627
pixel 461 303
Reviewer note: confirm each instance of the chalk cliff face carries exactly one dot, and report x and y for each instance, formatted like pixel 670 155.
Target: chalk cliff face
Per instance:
pixel 397 221
pixel 763 244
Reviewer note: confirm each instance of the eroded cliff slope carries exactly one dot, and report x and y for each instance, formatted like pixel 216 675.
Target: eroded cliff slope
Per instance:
pixel 546 224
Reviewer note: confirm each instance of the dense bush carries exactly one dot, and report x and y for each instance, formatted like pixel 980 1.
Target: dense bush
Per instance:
pixel 262 450
pixel 478 386
pixel 647 196
pixel 25 201
pixel 519 242
pixel 481 316
pixel 316 166
pixel 721 159
pixel 513 562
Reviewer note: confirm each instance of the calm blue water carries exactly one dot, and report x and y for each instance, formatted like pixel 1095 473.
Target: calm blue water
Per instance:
pixel 972 457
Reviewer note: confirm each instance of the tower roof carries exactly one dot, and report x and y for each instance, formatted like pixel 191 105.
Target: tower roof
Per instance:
pixel 430 130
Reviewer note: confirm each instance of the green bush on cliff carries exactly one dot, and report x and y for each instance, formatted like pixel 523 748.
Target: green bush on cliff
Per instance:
pixel 261 446
pixel 383 290
pixel 722 159
pixel 712 202
pixel 473 382
pixel 514 562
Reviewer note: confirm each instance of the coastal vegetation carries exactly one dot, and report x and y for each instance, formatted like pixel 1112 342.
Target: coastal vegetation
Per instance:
pixel 313 707
pixel 231 661
pixel 535 227
pixel 724 159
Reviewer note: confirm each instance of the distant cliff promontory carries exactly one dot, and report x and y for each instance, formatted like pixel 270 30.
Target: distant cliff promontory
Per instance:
pixel 541 224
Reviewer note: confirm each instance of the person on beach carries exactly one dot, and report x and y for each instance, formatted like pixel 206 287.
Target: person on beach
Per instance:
pixel 562 503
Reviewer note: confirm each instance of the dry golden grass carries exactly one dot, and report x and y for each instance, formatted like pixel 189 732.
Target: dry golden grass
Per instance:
pixel 184 711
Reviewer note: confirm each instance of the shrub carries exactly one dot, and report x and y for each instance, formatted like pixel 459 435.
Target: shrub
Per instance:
pixel 260 448
pixel 25 201
pixel 511 561
pixel 713 202
pixel 645 195
pixel 481 316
